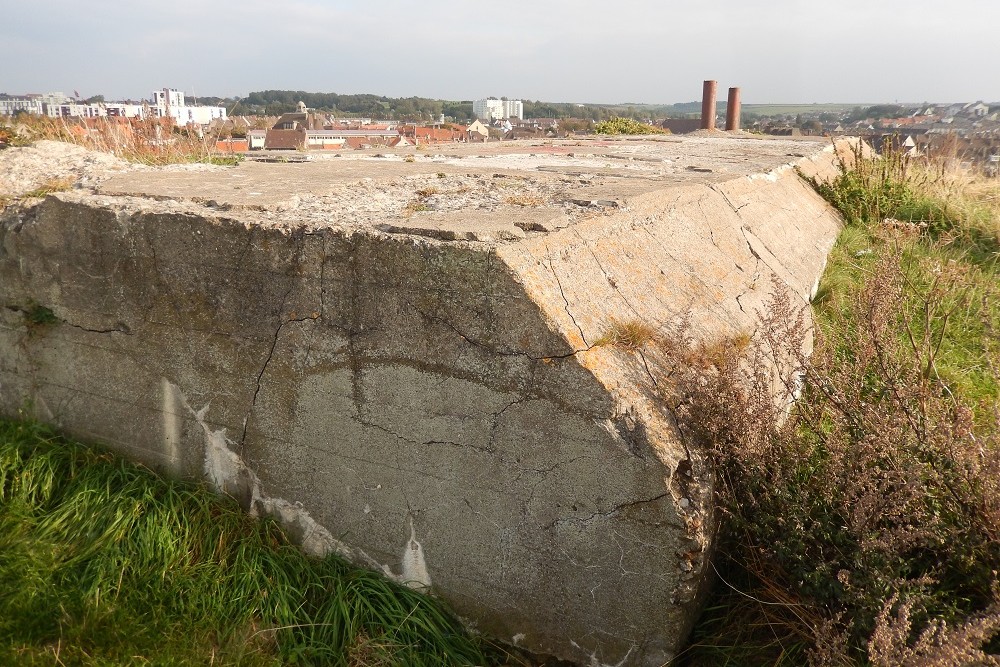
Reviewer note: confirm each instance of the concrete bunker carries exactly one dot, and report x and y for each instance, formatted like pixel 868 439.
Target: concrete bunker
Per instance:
pixel 400 359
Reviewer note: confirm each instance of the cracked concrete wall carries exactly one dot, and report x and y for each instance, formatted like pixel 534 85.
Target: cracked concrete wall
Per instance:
pixel 439 407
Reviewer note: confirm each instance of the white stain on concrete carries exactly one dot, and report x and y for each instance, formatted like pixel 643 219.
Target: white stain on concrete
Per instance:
pixel 595 662
pixel 415 574
pixel 222 466
pixel 229 473
pixel 171 408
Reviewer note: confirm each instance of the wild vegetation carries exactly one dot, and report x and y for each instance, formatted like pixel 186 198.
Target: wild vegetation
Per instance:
pixel 620 125
pixel 150 141
pixel 861 523
pixel 104 563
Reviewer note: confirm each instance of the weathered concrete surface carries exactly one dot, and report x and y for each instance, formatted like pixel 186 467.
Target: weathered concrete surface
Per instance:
pixel 399 357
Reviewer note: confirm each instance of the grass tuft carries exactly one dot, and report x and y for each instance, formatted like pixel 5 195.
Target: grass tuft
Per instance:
pixel 628 335
pixel 51 186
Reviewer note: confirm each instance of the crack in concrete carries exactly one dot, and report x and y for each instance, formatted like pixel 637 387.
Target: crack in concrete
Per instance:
pixel 740 303
pixel 736 209
pixel 121 328
pixel 604 515
pixel 562 293
pixel 768 249
pixel 743 228
pixel 246 247
pixel 669 254
pixel 646 366
pixel 159 274
pixel 495 420
pixel 488 348
pixel 274 342
pixel 422 443
pixel 607 276
pixel 711 232
pixel 263 369
pixel 753 251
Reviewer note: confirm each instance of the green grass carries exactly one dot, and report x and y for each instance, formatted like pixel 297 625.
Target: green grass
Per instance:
pixel 948 244
pixel 104 563
pixel 794 109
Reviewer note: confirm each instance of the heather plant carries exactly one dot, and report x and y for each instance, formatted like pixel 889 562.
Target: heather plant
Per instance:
pixel 861 522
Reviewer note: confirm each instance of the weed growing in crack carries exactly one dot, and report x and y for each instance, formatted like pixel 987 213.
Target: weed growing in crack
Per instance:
pixel 51 186
pixel 416 207
pixel 628 335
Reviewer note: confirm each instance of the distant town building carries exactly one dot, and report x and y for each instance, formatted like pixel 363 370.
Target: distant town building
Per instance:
pixel 255 139
pixel 170 102
pixel 976 109
pixel 492 109
pixel 477 131
pixel 30 103
pixel 163 104
pixel 681 125
pixel 311 131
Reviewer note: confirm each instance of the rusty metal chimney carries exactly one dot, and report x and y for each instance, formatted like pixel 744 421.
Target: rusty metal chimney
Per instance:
pixel 733 110
pixel 708 105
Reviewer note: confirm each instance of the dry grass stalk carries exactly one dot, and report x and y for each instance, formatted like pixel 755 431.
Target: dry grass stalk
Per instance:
pixel 525 200
pixel 628 335
pixel 146 141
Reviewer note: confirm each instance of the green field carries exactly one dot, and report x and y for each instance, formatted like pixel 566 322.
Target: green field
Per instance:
pixel 794 109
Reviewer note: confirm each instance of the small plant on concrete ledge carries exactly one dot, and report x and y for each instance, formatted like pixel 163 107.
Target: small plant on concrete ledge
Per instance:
pixel 628 335
pixel 415 207
pixel 50 186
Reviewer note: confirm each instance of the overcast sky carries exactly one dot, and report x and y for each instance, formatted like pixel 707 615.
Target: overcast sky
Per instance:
pixel 777 51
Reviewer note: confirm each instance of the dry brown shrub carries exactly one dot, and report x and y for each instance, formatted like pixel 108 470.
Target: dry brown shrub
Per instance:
pixel 146 141
pixel 879 483
pixel 526 200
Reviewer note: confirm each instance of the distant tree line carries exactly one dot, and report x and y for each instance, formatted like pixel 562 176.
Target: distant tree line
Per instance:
pixel 277 102
pixel 877 111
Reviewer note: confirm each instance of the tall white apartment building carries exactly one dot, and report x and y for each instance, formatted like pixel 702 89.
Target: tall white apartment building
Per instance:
pixel 491 109
pixel 170 102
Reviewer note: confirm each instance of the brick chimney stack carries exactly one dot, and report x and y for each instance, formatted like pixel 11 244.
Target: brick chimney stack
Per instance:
pixel 733 110
pixel 708 105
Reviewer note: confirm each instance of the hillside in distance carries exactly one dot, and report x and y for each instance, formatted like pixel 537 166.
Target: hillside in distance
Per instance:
pixel 276 102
